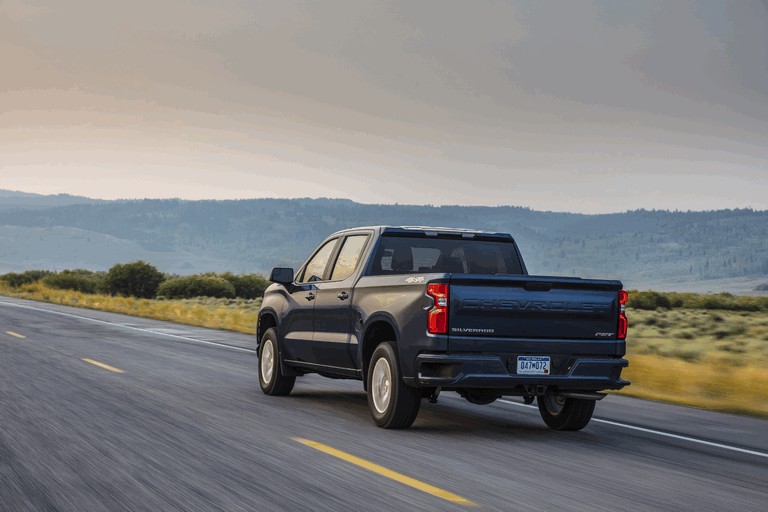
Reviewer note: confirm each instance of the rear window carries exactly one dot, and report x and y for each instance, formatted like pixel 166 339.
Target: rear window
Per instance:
pixel 409 255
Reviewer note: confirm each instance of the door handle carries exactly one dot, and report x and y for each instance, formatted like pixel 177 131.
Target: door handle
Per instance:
pixel 343 295
pixel 310 296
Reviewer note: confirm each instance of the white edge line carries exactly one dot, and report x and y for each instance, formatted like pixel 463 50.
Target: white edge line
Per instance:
pixel 661 433
pixel 148 331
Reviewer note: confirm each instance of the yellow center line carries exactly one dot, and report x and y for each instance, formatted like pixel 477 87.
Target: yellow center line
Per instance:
pixel 102 365
pixel 381 470
pixel 15 335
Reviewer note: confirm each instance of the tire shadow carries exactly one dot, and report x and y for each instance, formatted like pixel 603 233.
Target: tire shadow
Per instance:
pixel 448 416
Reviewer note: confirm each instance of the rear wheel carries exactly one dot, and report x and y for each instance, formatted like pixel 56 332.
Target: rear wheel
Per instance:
pixel 392 403
pixel 560 413
pixel 271 378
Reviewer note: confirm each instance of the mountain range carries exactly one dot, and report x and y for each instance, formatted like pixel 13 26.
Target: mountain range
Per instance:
pixel 721 250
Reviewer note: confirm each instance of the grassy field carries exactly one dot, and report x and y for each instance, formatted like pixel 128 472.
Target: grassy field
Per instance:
pixel 231 314
pixel 713 359
pixel 709 358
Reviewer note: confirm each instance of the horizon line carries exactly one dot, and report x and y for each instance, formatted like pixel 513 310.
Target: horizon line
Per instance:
pixel 325 198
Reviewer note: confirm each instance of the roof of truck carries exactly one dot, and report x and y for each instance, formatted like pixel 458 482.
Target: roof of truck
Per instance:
pixel 429 230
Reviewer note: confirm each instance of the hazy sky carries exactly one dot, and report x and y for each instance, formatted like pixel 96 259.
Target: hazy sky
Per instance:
pixel 569 106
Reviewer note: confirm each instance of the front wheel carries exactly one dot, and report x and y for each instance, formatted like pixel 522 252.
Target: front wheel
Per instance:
pixel 560 413
pixel 271 378
pixel 392 403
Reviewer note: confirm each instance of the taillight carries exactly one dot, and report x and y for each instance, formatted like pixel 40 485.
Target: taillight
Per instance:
pixel 437 319
pixel 623 324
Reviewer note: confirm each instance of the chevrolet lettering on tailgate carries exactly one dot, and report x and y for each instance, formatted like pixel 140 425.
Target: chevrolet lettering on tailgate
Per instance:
pixel 530 305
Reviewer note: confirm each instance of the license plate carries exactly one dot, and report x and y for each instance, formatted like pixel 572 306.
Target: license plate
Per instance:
pixel 533 365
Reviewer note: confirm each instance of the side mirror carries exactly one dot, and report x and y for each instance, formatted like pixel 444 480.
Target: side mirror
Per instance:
pixel 281 275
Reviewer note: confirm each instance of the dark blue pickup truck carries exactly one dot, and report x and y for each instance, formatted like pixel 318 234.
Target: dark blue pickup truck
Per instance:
pixel 413 311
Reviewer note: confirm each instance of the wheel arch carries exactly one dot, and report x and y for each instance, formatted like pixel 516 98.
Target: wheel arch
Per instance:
pixel 377 330
pixel 267 320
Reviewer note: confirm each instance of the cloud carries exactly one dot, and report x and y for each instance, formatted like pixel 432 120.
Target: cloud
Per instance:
pixel 497 103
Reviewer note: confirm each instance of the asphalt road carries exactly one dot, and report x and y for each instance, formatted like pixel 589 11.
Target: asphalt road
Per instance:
pixel 185 427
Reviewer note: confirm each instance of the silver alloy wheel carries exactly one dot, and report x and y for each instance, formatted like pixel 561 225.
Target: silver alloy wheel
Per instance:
pixel 381 385
pixel 267 361
pixel 554 403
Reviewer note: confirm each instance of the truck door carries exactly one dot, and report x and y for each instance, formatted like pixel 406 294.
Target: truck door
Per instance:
pixel 334 315
pixel 299 325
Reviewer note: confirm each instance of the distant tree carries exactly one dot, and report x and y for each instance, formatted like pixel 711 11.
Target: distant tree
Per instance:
pixel 137 279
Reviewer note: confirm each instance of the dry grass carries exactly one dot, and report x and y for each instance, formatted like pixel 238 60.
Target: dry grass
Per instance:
pixel 711 359
pixel 703 358
pixel 695 335
pixel 712 383
pixel 231 314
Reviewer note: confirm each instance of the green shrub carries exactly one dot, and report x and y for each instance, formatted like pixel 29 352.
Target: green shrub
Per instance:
pixel 84 281
pixel 137 279
pixel 651 300
pixel 729 329
pixel 648 300
pixel 28 277
pixel 12 279
pixel 36 275
pixel 247 286
pixel 187 287
pixel 651 320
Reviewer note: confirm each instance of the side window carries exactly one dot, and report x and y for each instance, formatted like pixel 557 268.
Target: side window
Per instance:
pixel 316 267
pixel 349 257
pixel 405 256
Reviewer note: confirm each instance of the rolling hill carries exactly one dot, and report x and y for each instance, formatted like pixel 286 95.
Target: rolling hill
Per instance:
pixel 724 250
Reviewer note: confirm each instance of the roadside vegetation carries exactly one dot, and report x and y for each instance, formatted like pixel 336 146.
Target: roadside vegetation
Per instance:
pixel 708 351
pixel 219 301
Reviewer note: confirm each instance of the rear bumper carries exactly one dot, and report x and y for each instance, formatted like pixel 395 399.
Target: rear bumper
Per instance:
pixel 588 373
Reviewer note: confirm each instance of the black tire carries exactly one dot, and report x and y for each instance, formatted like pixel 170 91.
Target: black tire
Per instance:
pixel 561 413
pixel 271 378
pixel 392 403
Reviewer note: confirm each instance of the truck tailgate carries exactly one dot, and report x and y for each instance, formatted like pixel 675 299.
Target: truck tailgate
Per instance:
pixel 505 308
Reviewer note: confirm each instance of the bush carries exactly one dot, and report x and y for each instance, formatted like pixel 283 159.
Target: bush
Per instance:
pixel 30 276
pixel 14 280
pixel 724 301
pixel 84 281
pixel 247 286
pixel 648 300
pixel 730 329
pixel 137 279
pixel 187 287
